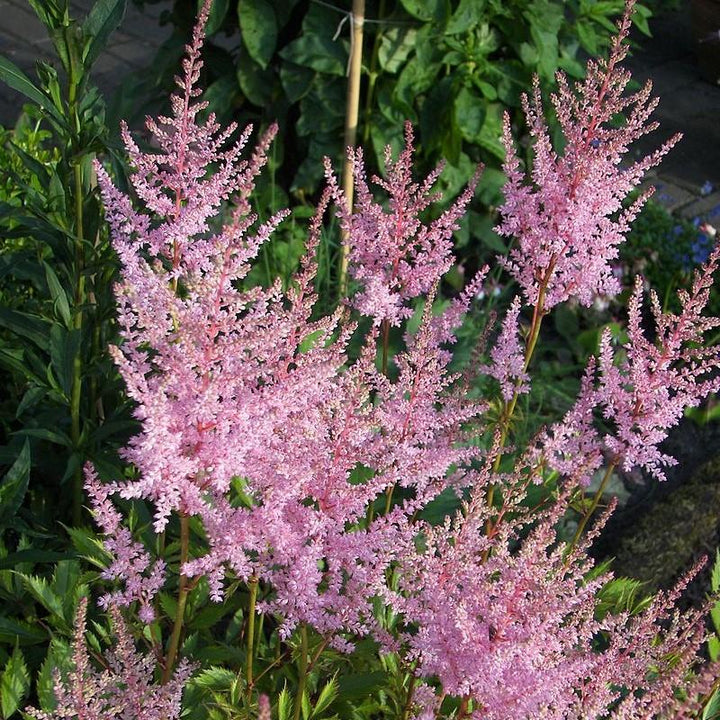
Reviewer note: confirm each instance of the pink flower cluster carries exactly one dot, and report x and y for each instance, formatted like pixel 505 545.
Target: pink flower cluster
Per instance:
pixel 568 219
pixel 309 469
pixel 392 253
pixel 123 689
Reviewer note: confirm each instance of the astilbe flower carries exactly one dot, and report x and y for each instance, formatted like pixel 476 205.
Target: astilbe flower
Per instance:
pixel 123 689
pixel 644 394
pixel 392 253
pixel 242 394
pixel 568 219
pixel 508 356
pixel 131 563
pixel 513 625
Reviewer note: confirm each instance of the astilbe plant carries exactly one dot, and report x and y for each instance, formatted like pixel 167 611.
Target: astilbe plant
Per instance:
pixel 308 470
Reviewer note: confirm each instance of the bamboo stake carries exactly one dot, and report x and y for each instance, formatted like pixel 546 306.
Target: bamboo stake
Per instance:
pixel 351 122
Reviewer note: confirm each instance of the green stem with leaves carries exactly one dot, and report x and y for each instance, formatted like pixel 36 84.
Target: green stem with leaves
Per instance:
pixel 303 671
pixel 78 298
pixel 253 590
pixel 588 513
pixel 183 590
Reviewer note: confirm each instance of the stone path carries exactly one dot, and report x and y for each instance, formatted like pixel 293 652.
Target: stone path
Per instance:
pixel 132 47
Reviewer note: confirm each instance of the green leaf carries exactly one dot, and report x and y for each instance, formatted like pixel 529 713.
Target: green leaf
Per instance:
pixel 218 11
pixel 256 85
pixel 360 685
pixel 258 28
pixel 470 115
pixel 305 705
pixel 33 327
pixel 64 348
pixel 13 630
pixel 59 438
pixel 425 10
pixel 326 697
pixel 296 80
pixel 284 705
pixel 16 79
pixel 715 574
pixel 14 684
pixel 57 293
pixel 711 711
pixel 31 555
pixel 89 546
pixel 14 485
pixel 396 44
pixel 58 657
pixel 40 589
pixel 102 20
pixel 215 678
pixel 713 648
pixel 466 17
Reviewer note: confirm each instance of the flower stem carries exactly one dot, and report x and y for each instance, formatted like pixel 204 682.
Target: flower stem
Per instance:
pixel 385 345
pixel 253 588
pixel 183 590
pixel 593 505
pixel 303 668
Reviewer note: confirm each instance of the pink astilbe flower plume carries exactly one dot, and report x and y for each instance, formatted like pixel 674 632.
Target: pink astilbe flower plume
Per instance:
pixel 646 393
pixel 643 394
pixel 568 217
pixel 391 252
pixel 508 356
pixel 253 417
pixel 124 689
pixel 514 625
pixel 131 563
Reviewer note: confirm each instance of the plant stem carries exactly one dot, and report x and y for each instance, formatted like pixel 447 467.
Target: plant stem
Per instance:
pixel 385 345
pixel 76 387
pixel 253 588
pixel 183 591
pixel 351 123
pixel 303 668
pixel 593 505
pixel 409 699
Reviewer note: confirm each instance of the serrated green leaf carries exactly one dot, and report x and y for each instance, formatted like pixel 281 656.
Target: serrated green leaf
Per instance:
pixel 57 658
pixel 13 630
pixel 284 705
pixel 215 678
pixel 32 556
pixel 258 28
pixel 14 684
pixel 326 697
pixel 305 705
pixel 40 589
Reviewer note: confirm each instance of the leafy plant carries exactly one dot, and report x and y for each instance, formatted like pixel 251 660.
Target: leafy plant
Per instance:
pixel 57 259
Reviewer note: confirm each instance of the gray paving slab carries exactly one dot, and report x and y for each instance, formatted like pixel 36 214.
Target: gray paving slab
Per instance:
pixel 23 40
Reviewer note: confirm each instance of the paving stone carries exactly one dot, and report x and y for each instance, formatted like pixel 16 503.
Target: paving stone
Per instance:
pixel 705 208
pixel 671 196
